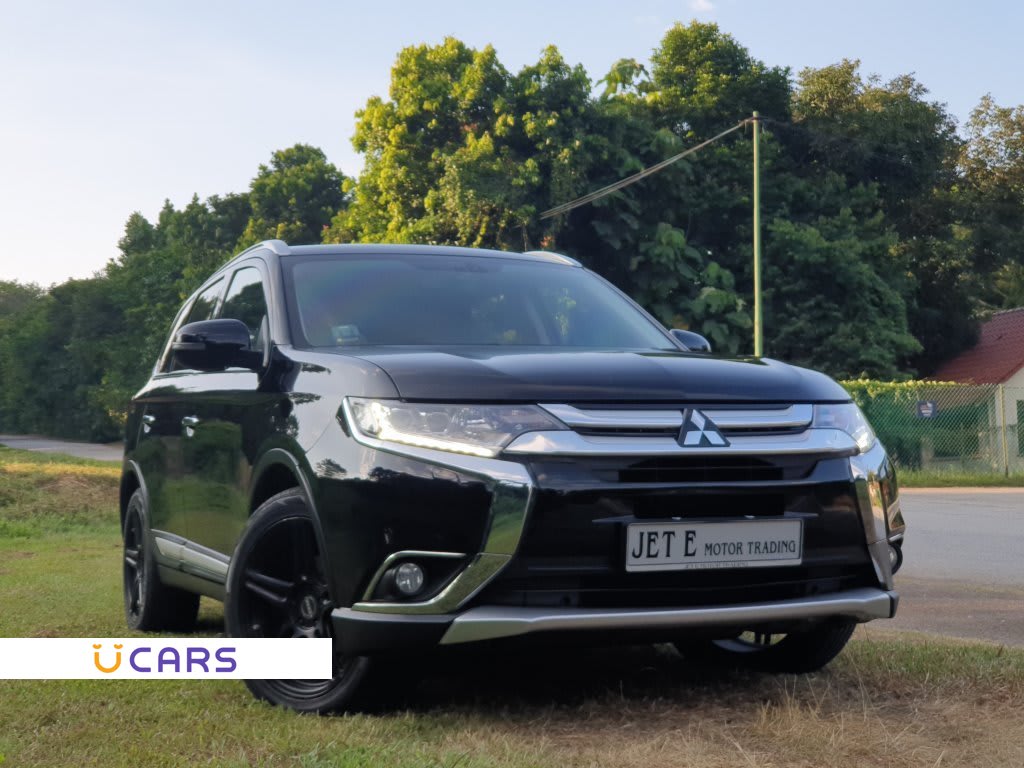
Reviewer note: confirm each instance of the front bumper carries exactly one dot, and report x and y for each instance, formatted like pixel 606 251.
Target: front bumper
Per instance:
pixel 467 609
pixel 362 632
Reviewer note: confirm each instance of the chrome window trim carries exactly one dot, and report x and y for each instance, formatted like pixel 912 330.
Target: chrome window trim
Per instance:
pixel 512 496
pixel 822 442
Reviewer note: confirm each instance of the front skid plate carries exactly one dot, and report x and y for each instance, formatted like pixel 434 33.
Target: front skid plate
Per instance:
pixel 493 622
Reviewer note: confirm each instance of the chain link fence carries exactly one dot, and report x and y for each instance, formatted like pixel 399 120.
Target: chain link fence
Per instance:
pixel 940 427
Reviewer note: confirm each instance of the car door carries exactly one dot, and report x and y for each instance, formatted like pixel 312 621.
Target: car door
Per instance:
pixel 227 418
pixel 159 451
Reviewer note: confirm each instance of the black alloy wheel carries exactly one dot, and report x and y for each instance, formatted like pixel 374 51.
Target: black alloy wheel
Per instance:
pixel 134 567
pixel 150 605
pixel 277 587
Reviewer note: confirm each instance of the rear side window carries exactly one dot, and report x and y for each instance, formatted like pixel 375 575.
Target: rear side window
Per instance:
pixel 247 302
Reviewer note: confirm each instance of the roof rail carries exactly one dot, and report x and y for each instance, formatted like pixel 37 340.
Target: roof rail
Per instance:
pixel 552 256
pixel 280 247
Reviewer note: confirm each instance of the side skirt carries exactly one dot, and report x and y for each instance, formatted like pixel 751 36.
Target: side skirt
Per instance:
pixel 190 566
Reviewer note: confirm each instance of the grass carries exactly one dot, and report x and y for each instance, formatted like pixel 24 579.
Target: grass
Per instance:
pixel 43 494
pixel 934 479
pixel 889 700
pixel 13 456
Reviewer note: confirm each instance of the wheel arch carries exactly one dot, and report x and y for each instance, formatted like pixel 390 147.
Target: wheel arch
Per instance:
pixel 131 481
pixel 271 480
pixel 279 470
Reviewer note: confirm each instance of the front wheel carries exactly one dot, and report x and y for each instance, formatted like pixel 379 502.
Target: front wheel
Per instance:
pixel 797 652
pixel 277 587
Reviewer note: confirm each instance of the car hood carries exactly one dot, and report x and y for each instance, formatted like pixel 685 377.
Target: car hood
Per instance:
pixel 532 375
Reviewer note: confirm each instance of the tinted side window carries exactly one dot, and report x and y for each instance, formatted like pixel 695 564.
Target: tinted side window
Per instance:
pixel 202 309
pixel 246 301
pixel 206 303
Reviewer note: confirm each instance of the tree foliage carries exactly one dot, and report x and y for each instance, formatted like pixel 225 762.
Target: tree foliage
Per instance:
pixel 463 152
pixel 890 138
pixel 885 231
pixel 293 198
pixel 992 185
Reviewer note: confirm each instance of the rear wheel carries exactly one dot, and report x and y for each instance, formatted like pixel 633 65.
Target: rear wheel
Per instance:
pixel 277 587
pixel 150 605
pixel 797 652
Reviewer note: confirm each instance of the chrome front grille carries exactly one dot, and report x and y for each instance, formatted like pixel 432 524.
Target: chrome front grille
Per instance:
pixel 759 430
pixel 729 419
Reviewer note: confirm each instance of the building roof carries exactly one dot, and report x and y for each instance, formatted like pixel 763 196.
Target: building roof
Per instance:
pixel 998 354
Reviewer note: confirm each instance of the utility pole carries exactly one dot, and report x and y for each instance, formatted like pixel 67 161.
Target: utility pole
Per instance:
pixel 758 330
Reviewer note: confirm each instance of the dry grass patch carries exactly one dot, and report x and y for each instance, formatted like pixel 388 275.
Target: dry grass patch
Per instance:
pixel 80 473
pixel 41 493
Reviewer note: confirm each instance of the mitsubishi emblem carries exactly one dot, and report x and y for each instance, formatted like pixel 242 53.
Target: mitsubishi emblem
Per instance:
pixel 699 431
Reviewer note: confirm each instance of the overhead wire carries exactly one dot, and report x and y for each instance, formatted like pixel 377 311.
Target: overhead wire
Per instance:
pixel 597 194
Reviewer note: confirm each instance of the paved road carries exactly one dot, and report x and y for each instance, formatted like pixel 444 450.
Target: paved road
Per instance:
pixel 103 452
pixel 964 569
pixel 969 535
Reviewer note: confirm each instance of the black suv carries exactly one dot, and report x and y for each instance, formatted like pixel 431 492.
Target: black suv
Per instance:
pixel 405 446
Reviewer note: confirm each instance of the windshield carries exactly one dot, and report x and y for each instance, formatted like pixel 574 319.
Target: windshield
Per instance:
pixel 426 300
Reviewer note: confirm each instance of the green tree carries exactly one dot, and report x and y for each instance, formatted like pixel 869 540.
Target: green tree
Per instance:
pixel 463 152
pixel 679 240
pixel 832 302
pixel 293 198
pixel 702 81
pixel 891 138
pixel 992 195
pixel 16 297
pixel 52 359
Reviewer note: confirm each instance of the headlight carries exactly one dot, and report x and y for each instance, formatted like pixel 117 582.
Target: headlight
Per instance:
pixel 480 430
pixel 848 418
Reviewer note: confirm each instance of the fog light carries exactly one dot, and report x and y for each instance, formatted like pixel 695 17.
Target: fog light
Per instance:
pixel 895 556
pixel 409 579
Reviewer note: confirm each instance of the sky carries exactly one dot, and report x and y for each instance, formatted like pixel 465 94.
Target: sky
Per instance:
pixel 107 108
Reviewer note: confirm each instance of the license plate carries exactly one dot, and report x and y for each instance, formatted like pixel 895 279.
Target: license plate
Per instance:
pixel 696 546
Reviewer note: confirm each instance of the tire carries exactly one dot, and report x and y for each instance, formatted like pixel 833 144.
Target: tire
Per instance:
pixel 275 571
pixel 796 652
pixel 149 605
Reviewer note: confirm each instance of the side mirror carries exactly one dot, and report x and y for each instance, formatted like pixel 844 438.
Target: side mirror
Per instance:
pixel 693 342
pixel 213 345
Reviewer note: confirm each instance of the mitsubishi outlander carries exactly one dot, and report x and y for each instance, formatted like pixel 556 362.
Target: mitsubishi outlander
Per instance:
pixel 400 447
